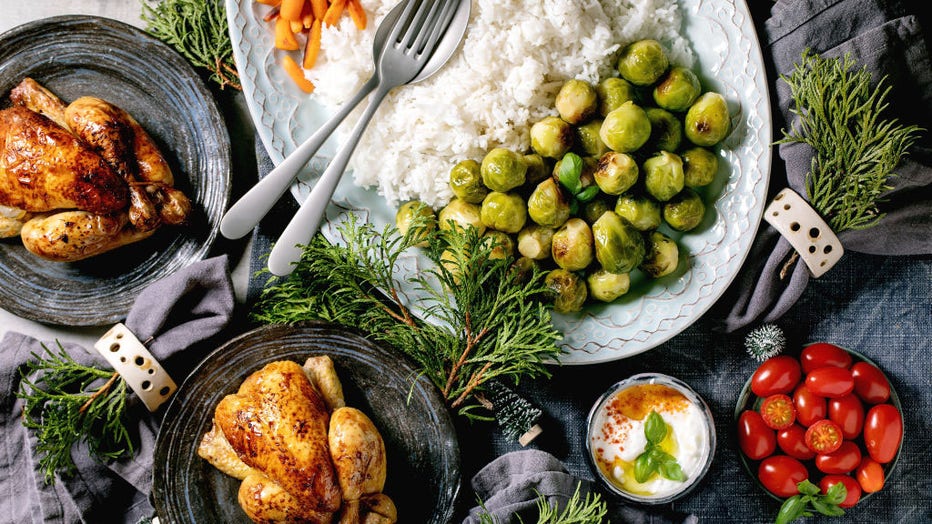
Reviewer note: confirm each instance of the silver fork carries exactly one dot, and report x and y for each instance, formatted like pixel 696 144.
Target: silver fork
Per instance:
pixel 413 40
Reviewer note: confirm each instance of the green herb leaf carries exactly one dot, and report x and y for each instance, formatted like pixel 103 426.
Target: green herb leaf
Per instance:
pixel 808 488
pixel 655 429
pixel 836 494
pixel 644 467
pixel 669 468
pixel 570 170
pixel 588 194
pixel 811 497
pixel 792 509
pixel 823 507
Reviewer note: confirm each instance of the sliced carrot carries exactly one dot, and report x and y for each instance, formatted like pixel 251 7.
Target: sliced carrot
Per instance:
pixel 357 14
pixel 284 37
pixel 334 12
pixel 320 8
pixel 312 48
pixel 296 26
pixel 307 15
pixel 291 9
pixel 297 74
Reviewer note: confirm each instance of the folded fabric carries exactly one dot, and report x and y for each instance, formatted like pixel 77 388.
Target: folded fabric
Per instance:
pixel 885 37
pixel 172 315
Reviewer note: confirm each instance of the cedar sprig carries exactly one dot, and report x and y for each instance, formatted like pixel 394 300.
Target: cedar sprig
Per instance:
pixel 577 510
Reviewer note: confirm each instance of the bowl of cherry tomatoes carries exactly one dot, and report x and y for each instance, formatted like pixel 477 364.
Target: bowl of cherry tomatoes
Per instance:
pixel 828 415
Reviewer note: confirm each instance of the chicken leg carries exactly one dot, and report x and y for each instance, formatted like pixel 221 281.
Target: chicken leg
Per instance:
pixel 358 454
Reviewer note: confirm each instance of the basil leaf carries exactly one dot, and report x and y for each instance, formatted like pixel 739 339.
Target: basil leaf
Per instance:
pixel 808 488
pixel 644 467
pixel 829 510
pixel 836 494
pixel 569 172
pixel 588 194
pixel 792 509
pixel 655 429
pixel 671 470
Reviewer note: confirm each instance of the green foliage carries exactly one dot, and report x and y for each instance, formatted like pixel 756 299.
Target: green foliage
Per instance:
pixel 765 341
pixel 810 499
pixel 653 459
pixel 569 174
pixel 514 414
pixel 577 510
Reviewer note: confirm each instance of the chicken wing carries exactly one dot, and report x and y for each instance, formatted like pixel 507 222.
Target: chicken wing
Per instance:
pixel 33 95
pixel 323 375
pixel 215 449
pixel 358 454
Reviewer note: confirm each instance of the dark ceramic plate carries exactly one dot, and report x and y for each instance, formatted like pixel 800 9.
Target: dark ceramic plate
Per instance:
pixel 423 453
pixel 81 55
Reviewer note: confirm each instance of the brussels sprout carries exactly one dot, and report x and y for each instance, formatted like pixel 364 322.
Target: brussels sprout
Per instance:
pixel 626 128
pixel 699 166
pixel 567 290
pixel 407 214
pixel 547 206
pixel 642 211
pixel 684 211
pixel 594 209
pixel 587 136
pixel 666 130
pixel 500 243
pixel 460 214
pixel 707 120
pixel 613 92
pixel 551 137
pixel 663 175
pixel 503 212
pixel 576 101
pixel 537 169
pixel 607 286
pixel 615 173
pixel 571 247
pixel 677 89
pixel 503 169
pixel 662 255
pixel 534 241
pixel 643 62
pixel 466 182
pixel 619 246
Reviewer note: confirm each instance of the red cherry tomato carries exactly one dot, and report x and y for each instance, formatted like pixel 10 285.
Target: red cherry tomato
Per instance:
pixel 843 460
pixel 870 475
pixel 848 413
pixel 754 437
pixel 792 441
pixel 852 488
pixel 824 436
pixel 869 383
pixel 809 408
pixel 883 431
pixel 778 411
pixel 830 382
pixel 820 355
pixel 775 375
pixel 780 474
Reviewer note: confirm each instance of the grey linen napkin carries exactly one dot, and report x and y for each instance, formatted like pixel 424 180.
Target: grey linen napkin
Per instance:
pixel 886 37
pixel 179 313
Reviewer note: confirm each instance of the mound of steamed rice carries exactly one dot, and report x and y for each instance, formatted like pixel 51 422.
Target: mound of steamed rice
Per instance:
pixel 515 56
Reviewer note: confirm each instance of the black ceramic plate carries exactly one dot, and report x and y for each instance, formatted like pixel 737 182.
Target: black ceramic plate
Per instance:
pixel 79 55
pixel 423 453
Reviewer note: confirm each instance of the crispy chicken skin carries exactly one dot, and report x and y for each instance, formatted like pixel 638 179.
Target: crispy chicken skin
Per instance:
pixel 33 95
pixel 265 502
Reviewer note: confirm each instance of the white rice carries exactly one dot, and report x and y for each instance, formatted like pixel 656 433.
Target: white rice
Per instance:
pixel 515 56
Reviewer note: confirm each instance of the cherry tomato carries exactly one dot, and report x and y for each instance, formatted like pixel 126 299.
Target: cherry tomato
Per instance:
pixel 824 436
pixel 843 460
pixel 848 413
pixel 820 355
pixel 792 441
pixel 870 475
pixel 775 375
pixel 869 383
pixel 883 430
pixel 852 489
pixel 809 408
pixel 754 437
pixel 780 474
pixel 778 411
pixel 830 382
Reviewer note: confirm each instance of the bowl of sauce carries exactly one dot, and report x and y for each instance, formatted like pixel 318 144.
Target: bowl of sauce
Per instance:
pixel 650 438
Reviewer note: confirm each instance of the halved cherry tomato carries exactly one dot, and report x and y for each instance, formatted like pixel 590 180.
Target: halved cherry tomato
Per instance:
pixel 754 437
pixel 792 441
pixel 852 489
pixel 778 411
pixel 809 408
pixel 870 475
pixel 883 431
pixel 775 375
pixel 848 413
pixel 830 382
pixel 869 383
pixel 824 436
pixel 843 460
pixel 780 474
pixel 820 355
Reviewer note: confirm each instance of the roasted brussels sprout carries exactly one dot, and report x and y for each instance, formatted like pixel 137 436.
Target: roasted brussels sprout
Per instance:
pixel 643 62
pixel 707 120
pixel 534 241
pixel 567 291
pixel 677 89
pixel 594 209
pixel 408 213
pixel 615 173
pixel 626 128
pixel 576 101
pixel 661 256
pixel 466 182
pixel 571 247
pixel 537 169
pixel 685 210
pixel 503 212
pixel 642 211
pixel 502 169
pixel 551 137
pixel 699 166
pixel 666 130
pixel 547 206
pixel 613 92
pixel 663 175
pixel 587 136
pixel 619 246
pixel 606 286
pixel 500 243
pixel 460 214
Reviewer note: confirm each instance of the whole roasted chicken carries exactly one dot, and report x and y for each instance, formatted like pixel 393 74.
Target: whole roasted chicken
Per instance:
pixel 80 179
